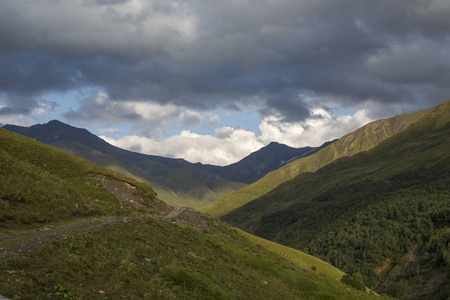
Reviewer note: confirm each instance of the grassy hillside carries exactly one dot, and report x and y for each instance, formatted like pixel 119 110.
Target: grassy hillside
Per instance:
pixel 362 139
pixel 70 229
pixel 176 181
pixel 39 184
pixel 152 259
pixel 383 214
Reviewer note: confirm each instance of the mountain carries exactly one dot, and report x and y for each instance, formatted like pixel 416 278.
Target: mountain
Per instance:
pixel 175 180
pixel 362 139
pixel 71 229
pixel 259 163
pixel 383 214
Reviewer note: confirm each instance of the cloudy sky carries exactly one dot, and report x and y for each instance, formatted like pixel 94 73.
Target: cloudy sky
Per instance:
pixel 213 81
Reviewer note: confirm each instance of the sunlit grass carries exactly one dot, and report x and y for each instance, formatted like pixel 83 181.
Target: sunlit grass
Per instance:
pixel 151 259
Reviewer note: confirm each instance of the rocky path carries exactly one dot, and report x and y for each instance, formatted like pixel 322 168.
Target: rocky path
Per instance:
pixel 18 244
pixel 23 243
pixel 175 212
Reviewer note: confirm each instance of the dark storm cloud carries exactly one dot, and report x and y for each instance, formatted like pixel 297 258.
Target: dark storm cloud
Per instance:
pixel 105 2
pixel 12 104
pixel 97 107
pixel 29 73
pixel 204 55
pixel 233 107
pixel 11 110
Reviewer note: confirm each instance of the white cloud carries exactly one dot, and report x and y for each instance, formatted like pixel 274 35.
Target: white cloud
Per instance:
pixel 230 144
pixel 157 114
pixel 44 107
pixel 320 127
pixel 194 147
pixel 109 130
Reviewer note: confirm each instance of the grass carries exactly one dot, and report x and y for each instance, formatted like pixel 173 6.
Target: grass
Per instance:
pixel 302 260
pixel 151 259
pixel 40 184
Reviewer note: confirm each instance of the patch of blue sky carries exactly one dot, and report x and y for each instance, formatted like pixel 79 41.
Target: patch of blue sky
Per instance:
pixel 338 110
pixel 243 119
pixel 248 120
pixel 53 105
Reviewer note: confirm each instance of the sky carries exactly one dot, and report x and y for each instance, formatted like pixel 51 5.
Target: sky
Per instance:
pixel 213 81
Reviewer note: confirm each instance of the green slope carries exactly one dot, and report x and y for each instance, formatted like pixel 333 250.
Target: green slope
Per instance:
pixel 362 139
pixel 152 259
pixel 384 213
pixel 39 184
pixel 44 191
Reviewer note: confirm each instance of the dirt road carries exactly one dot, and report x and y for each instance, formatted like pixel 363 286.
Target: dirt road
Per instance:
pixel 19 244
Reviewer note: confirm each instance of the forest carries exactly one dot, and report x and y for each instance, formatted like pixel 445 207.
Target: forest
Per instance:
pixel 358 227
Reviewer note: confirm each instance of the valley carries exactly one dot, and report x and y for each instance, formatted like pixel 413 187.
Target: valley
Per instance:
pixel 369 211
pixel 224 150
pixel 72 229
pixel 176 181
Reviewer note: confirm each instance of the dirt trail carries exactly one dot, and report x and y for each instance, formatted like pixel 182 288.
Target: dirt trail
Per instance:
pixel 174 213
pixel 23 243
pixel 185 216
pixel 126 193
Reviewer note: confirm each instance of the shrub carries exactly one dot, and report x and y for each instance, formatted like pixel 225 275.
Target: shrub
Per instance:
pixel 354 280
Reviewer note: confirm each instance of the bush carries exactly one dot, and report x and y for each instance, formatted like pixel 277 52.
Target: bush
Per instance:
pixel 355 280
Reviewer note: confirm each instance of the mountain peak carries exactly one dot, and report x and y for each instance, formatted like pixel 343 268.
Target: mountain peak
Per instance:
pixel 273 144
pixel 55 122
pixel 59 124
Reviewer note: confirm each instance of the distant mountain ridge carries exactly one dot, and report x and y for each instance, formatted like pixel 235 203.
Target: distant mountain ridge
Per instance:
pixel 259 163
pixel 176 181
